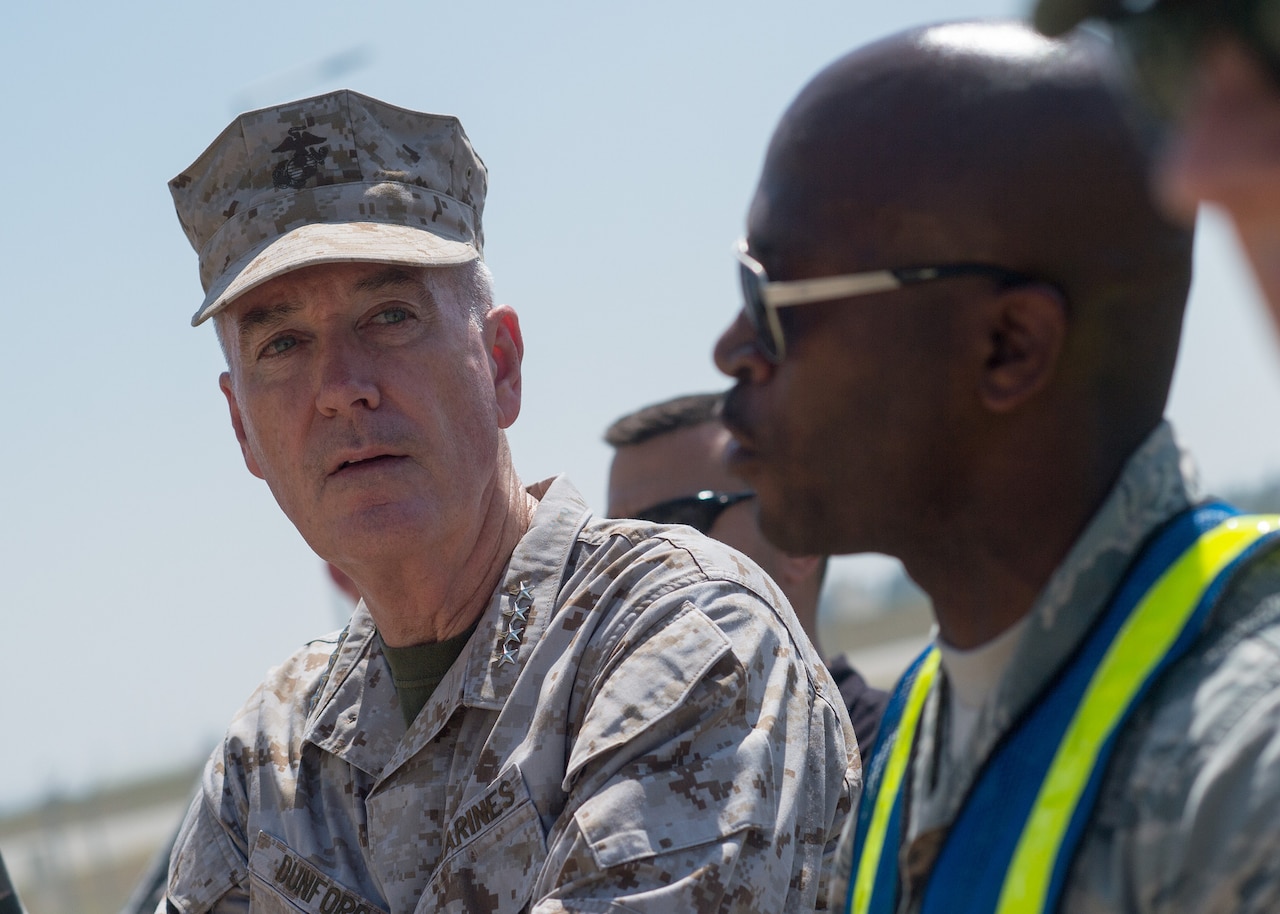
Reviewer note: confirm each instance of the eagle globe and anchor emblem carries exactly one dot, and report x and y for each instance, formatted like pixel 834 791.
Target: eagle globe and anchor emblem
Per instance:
pixel 305 161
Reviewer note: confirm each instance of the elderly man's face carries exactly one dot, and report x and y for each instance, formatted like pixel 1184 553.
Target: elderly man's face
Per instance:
pixel 1226 151
pixel 371 403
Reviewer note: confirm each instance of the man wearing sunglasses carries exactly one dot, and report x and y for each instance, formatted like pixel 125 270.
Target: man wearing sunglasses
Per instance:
pixel 962 312
pixel 668 467
pixel 1212 68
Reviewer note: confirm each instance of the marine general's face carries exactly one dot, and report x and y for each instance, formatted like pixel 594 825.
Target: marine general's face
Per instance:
pixel 371 402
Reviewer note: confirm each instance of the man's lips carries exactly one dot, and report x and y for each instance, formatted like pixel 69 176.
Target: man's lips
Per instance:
pixel 741 457
pixel 731 416
pixel 364 459
pixel 738 457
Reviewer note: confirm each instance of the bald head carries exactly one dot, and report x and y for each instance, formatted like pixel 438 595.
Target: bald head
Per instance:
pixel 940 421
pixel 986 142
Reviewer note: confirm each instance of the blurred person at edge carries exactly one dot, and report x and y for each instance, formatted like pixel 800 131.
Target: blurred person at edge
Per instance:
pixel 961 315
pixel 1211 68
pixel 527 701
pixel 668 467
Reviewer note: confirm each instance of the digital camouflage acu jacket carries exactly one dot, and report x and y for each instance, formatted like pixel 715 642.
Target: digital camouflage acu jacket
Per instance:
pixel 638 722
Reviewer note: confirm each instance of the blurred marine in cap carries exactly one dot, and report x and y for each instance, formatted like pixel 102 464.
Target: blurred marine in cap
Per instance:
pixel 531 709
pixel 1212 67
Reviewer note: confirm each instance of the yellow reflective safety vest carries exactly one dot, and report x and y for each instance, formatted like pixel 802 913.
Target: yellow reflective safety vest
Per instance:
pixel 1013 840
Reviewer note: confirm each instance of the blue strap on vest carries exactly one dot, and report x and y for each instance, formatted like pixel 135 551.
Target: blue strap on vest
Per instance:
pixel 969 873
pixel 886 882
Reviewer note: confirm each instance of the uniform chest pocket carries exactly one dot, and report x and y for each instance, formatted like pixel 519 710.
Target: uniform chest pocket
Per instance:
pixel 282 882
pixel 494 850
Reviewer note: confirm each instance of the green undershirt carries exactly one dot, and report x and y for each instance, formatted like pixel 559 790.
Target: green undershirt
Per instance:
pixel 417 670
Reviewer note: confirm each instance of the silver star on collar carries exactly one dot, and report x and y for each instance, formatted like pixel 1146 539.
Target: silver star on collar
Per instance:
pixel 522 603
pixel 517 618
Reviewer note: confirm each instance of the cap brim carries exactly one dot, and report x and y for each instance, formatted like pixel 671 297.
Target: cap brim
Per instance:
pixel 332 242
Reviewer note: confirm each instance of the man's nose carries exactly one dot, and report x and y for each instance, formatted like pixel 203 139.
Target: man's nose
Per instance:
pixel 347 379
pixel 737 354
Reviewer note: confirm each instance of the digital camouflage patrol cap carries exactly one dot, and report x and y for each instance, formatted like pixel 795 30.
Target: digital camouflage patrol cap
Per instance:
pixel 335 178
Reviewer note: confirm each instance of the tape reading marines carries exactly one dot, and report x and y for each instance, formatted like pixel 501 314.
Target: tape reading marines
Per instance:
pixel 479 814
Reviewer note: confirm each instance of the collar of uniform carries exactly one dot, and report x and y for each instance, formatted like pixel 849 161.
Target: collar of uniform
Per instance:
pixel 480 678
pixel 1157 482
pixel 357 715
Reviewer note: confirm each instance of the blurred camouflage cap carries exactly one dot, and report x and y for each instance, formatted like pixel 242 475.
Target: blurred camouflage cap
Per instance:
pixel 335 178
pixel 1056 17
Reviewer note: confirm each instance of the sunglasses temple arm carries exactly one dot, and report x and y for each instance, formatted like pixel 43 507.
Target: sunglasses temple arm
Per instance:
pixel 827 288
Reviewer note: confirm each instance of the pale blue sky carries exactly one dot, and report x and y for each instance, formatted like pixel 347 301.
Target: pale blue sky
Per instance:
pixel 151 579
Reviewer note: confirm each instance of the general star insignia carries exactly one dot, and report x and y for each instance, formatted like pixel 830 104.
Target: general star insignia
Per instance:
pixel 517 618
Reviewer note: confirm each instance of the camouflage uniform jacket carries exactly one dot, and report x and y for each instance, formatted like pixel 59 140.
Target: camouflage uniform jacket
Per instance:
pixel 655 735
pixel 1188 817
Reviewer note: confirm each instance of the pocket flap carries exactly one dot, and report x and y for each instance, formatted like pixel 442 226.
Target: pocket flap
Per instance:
pixel 702 802
pixel 495 850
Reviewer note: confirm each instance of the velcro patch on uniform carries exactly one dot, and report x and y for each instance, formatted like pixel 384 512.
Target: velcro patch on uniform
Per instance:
pixel 276 867
pixel 474 816
pixel 495 850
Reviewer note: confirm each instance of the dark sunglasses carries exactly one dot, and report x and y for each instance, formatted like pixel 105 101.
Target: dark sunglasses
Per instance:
pixel 1163 44
pixel 762 297
pixel 698 511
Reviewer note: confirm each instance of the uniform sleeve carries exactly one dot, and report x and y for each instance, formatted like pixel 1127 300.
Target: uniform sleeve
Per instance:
pixel 708 774
pixel 1218 849
pixel 208 869
pixel 1196 827
pixel 840 868
pixel 1229 853
pixel 209 865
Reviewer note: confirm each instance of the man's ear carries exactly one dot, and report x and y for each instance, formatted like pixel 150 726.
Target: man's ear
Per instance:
pixel 1025 336
pixel 506 350
pixel 224 381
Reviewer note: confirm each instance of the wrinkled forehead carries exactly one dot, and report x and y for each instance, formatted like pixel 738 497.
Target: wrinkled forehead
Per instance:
pixel 853 191
pixel 887 190
pixel 876 211
pixel 312 292
pixel 917 143
pixel 322 284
